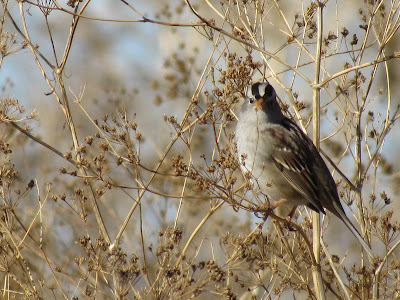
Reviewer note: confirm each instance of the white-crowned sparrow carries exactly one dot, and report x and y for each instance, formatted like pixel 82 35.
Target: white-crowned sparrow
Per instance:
pixel 283 161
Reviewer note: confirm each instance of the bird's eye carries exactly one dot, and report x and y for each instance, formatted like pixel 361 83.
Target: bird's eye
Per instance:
pixel 252 100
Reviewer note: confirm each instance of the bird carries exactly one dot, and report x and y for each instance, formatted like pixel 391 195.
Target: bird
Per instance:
pixel 283 161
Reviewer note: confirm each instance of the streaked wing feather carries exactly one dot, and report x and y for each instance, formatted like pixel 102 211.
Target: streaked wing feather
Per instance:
pixel 293 164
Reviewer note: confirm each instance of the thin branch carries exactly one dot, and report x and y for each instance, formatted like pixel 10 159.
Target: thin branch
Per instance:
pixel 316 270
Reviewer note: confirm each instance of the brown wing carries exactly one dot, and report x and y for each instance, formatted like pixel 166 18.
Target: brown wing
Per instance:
pixel 292 157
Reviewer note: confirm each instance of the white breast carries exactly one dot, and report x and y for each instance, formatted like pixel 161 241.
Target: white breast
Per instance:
pixel 250 139
pixel 252 142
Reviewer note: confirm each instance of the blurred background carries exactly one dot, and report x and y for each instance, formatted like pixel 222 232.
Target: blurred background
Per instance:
pixel 150 93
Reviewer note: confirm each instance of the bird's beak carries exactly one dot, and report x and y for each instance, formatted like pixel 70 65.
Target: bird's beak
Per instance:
pixel 260 103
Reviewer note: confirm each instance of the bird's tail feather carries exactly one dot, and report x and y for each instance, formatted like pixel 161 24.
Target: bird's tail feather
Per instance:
pixel 341 214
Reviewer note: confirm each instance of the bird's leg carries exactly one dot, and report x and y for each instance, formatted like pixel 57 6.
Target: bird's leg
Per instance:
pixel 266 209
pixel 290 216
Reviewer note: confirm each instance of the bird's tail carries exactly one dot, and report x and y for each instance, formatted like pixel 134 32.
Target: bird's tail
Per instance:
pixel 341 215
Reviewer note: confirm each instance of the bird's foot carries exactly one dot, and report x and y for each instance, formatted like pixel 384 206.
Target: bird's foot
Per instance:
pixel 264 209
pixel 288 224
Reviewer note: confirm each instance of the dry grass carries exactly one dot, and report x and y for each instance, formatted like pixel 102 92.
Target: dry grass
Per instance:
pixel 105 209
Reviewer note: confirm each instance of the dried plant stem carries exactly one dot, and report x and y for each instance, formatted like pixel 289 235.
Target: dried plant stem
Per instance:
pixel 39 141
pixel 208 216
pixel 334 269
pixel 243 42
pixel 93 199
pixel 65 108
pixel 157 167
pixel 53 250
pixel 71 35
pixel 375 289
pixel 316 269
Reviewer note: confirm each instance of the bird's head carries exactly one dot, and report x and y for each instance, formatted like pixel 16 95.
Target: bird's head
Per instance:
pixel 263 95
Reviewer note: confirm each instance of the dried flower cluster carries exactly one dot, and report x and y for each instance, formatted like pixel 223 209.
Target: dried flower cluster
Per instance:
pixel 106 198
